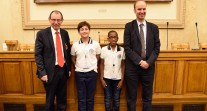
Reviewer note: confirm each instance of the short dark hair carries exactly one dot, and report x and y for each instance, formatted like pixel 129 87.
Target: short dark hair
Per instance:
pixel 55 11
pixel 111 32
pixel 83 23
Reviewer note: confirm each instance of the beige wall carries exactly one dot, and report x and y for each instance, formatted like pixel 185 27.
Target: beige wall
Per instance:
pixel 11 24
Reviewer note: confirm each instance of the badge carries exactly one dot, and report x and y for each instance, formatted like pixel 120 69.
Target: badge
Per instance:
pixel 119 56
pixel 91 51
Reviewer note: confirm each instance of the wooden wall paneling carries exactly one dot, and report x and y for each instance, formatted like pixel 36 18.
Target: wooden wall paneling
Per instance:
pixel 162 107
pixel 71 92
pixel 193 107
pixel 164 78
pixel 12 78
pixel 1 78
pixel 206 81
pixel 180 69
pixel 40 107
pixel 29 107
pixel 123 97
pixel 139 106
pixel 123 107
pixel 99 95
pixel 1 106
pixel 14 107
pixel 99 107
pixel 72 107
pixel 26 70
pixel 180 79
pixel 205 107
pixel 177 107
pixel 38 85
pixel 196 77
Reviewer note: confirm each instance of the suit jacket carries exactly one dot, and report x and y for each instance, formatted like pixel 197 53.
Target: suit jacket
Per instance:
pixel 132 46
pixel 45 52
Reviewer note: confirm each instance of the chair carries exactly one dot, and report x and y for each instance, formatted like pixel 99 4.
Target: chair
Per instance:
pixel 203 46
pixel 103 39
pixel 180 46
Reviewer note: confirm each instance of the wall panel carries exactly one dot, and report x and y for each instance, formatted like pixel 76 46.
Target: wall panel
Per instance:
pixel 12 78
pixel 180 79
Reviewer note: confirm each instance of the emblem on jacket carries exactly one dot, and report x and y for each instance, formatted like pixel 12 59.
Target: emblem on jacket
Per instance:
pixel 119 56
pixel 91 51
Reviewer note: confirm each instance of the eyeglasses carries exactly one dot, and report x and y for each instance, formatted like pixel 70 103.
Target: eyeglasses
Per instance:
pixel 58 20
pixel 113 38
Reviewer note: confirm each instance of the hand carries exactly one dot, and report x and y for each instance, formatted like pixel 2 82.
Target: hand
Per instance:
pixel 66 46
pixel 144 65
pixel 69 73
pixel 44 78
pixel 120 84
pixel 103 83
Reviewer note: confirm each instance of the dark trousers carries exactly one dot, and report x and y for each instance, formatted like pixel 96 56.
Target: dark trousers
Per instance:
pixel 132 80
pixel 86 86
pixel 112 95
pixel 56 88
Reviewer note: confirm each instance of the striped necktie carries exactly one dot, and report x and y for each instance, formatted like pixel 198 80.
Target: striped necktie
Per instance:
pixel 141 34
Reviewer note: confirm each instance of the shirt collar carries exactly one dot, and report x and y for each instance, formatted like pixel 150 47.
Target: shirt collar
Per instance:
pixel 116 48
pixel 53 30
pixel 90 41
pixel 138 23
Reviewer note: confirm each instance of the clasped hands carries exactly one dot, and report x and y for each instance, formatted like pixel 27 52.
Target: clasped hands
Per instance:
pixel 143 64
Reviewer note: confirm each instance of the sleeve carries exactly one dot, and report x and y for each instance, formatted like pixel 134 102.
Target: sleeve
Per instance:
pixel 68 50
pixel 98 49
pixel 102 53
pixel 123 57
pixel 73 50
pixel 130 53
pixel 154 55
pixel 39 47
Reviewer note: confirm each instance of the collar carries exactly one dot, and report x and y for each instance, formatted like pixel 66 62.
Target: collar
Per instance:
pixel 117 47
pixel 53 30
pixel 145 23
pixel 90 41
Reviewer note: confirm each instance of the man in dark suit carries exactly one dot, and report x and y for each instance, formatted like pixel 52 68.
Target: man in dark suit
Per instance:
pixel 142 47
pixel 53 60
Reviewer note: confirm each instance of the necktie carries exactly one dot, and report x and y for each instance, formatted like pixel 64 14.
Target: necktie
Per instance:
pixel 60 59
pixel 141 33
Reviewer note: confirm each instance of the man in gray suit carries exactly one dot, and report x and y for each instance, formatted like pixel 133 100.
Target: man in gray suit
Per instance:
pixel 53 60
pixel 142 47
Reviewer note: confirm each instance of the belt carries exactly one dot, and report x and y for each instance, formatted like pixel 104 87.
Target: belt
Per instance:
pixel 91 71
pixel 87 71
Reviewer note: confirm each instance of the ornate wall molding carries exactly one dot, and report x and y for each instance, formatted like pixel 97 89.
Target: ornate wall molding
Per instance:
pixel 61 1
pixel 28 23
